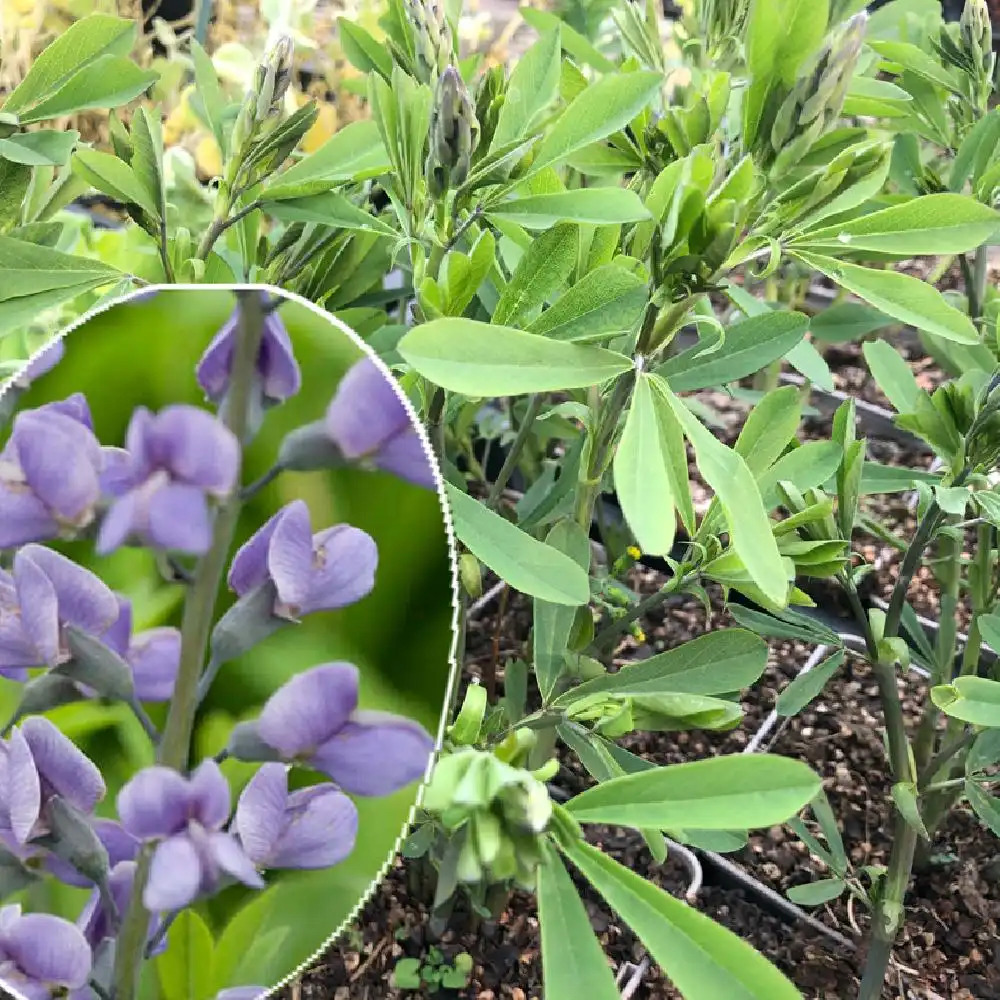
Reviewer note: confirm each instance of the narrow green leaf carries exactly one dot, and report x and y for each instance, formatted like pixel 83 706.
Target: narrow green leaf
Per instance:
pixel 362 49
pixel 479 359
pixel 532 87
pixel 605 302
pixel 971 699
pixel 113 177
pixel 598 206
pixel 26 268
pixel 892 374
pixel 740 791
pixel 45 147
pixel 717 663
pixel 606 106
pixel 768 428
pixel 847 321
pixel 989 628
pixel 750 344
pixel 643 472
pixel 987 807
pixel 786 626
pixel 571 40
pixel 728 475
pixel 213 101
pixel 933 224
pixel 904 298
pixel 878 478
pixel 701 958
pixel 540 273
pixel 808 686
pixel 571 955
pixel 327 209
pixel 816 893
pixel 528 565
pixel 553 623
pixel 904 794
pixel 185 968
pixel 810 364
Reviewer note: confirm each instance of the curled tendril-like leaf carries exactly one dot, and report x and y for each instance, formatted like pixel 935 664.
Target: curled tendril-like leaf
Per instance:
pixel 715 324
pixel 773 260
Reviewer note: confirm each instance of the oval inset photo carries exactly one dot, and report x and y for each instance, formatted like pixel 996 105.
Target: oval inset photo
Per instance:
pixel 227 598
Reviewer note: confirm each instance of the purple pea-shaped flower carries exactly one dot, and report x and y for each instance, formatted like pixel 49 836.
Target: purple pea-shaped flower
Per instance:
pixel 177 459
pixel 367 421
pixel 277 375
pixel 314 719
pixel 186 816
pixel 320 572
pixel 43 594
pixel 96 922
pixel 37 763
pixel 51 473
pixel 154 655
pixel 313 827
pixel 41 954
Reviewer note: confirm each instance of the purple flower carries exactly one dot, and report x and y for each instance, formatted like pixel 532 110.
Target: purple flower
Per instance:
pixel 314 719
pixel 277 375
pixel 95 921
pixel 38 762
pixel 51 473
pixel 242 993
pixel 367 420
pixel 120 845
pixel 187 816
pixel 41 364
pixel 177 459
pixel 153 655
pixel 320 572
pixel 313 827
pixel 45 592
pixel 40 953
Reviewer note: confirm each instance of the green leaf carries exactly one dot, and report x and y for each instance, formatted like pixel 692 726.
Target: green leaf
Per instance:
pixel 481 360
pixel 847 321
pixel 113 177
pixel 81 43
pixel 645 469
pixel 571 955
pixel 989 628
pixel 810 465
pixel 933 224
pixel 701 958
pixel 213 101
pixel 605 302
pixel 739 791
pixel 816 893
pixel 971 699
pixel 108 82
pixel 185 968
pixel 526 564
pixel 987 807
pixel 406 974
pixel 786 625
pixel 976 152
pixel 554 622
pixel 904 298
pixel 606 106
pixel 808 686
pixel 984 752
pixel 363 50
pixel 727 474
pixel 327 209
pixel 44 148
pixel 714 664
pixel 914 59
pixel 904 794
pixel 768 428
pixel 540 273
pixel 809 363
pixel 877 478
pixel 750 345
pixel 572 41
pixel 532 87
pixel 892 374
pixel 598 206
pixel 352 153
pixel 26 269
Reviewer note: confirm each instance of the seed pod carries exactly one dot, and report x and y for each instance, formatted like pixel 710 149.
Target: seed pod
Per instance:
pixel 471 574
pixel 454 134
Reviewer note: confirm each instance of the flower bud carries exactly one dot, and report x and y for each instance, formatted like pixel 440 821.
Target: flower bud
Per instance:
pixel 273 77
pixel 454 134
pixel 976 31
pixel 432 39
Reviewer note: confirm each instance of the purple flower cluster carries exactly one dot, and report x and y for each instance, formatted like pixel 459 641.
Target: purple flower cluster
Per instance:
pixel 65 635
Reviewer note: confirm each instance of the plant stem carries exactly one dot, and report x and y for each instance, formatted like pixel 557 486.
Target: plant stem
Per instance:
pixel 911 561
pixel 199 609
pixel 220 223
pixel 975 281
pixel 535 401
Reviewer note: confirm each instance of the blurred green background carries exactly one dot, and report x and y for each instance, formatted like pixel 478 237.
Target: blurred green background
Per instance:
pixel 399 636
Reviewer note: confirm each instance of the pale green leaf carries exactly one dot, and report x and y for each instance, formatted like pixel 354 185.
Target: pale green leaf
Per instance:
pixel 532 87
pixel 598 206
pixel 540 273
pixel 808 686
pixel 892 374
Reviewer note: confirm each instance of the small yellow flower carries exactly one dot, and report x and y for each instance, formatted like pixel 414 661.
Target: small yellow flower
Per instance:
pixel 640 635
pixel 633 551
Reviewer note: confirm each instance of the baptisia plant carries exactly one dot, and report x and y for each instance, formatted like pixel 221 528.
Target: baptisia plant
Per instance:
pixel 174 836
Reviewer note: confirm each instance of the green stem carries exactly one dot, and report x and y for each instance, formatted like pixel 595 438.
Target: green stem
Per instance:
pixel 510 462
pixel 220 223
pixel 975 279
pixel 196 628
pixel 607 636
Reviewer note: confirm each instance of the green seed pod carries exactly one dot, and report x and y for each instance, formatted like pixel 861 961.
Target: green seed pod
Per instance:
pixel 471 574
pixel 454 134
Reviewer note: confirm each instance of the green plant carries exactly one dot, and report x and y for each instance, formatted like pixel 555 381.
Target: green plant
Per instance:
pixel 433 972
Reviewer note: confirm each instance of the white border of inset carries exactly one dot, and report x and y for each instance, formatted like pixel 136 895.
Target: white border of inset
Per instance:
pixel 453 675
